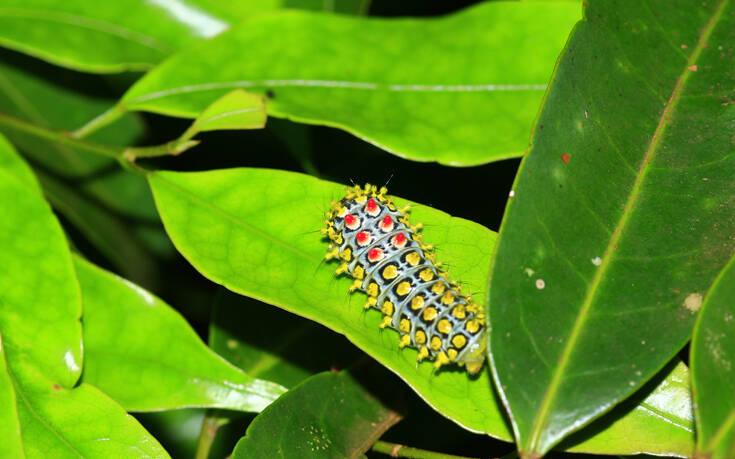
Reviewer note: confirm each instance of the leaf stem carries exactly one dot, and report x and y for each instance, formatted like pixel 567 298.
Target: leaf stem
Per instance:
pixel 61 137
pixel 107 117
pixel 396 450
pixel 125 155
pixel 210 426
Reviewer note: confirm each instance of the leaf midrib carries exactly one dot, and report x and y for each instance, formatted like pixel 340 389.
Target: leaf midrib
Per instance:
pixel 338 84
pixel 553 389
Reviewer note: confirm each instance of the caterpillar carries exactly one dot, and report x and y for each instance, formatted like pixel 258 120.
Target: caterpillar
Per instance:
pixel 388 260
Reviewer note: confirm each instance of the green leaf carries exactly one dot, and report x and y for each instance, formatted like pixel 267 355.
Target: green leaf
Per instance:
pixel 40 303
pixel 115 36
pixel 40 306
pixel 143 354
pixel 657 420
pixel 328 415
pixel 11 446
pixel 449 90
pixel 256 231
pixel 235 110
pixel 80 422
pixel 287 351
pixel 712 360
pixel 621 214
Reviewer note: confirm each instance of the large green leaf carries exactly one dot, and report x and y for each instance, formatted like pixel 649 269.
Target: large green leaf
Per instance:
pixel 328 415
pixel 713 359
pixel 40 303
pixel 115 36
pixel 621 215
pixel 40 307
pixel 143 354
pixel 256 232
pixel 460 90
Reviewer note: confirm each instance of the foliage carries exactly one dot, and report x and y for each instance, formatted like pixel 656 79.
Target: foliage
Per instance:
pixel 173 259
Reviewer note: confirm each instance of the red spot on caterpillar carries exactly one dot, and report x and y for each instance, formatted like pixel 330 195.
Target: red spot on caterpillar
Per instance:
pixel 371 207
pixel 362 237
pixel 375 254
pixel 565 157
pixel 387 223
pixel 57 387
pixel 399 240
pixel 350 220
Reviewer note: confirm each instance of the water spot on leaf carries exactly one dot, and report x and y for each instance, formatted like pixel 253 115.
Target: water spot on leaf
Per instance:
pixel 597 261
pixel 540 284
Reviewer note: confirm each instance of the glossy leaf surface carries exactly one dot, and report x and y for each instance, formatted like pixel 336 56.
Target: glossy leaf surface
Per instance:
pixel 274 252
pixel 329 415
pixel 115 36
pixel 460 90
pixel 39 306
pixel 129 336
pixel 712 359
pixel 622 214
pixel 60 423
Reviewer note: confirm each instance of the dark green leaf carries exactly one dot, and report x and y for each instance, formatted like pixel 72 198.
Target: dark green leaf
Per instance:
pixel 115 36
pixel 143 354
pixel 622 213
pixel 328 415
pixel 459 90
pixel 712 359
pixel 657 420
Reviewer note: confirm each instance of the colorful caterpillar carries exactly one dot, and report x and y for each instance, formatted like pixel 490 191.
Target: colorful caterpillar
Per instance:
pixel 389 261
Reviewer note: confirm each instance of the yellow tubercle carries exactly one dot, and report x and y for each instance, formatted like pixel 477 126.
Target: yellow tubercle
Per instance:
pixel 423 353
pixel 441 359
pixel 356 284
pixel 385 322
pixel 342 269
pixel 405 341
pixel 334 253
pixel 371 302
